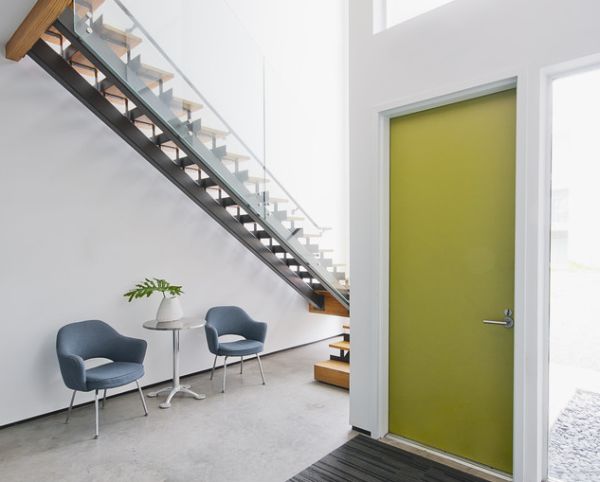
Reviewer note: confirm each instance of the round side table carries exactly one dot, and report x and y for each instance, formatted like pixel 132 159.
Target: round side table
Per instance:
pixel 175 327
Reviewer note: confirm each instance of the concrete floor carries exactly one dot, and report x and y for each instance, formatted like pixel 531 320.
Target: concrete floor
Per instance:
pixel 252 433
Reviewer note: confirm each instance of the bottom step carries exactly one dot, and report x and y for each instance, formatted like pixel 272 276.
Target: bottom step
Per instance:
pixel 333 372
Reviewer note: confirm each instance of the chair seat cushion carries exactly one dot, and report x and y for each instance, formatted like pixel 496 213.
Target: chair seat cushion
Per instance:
pixel 240 348
pixel 114 374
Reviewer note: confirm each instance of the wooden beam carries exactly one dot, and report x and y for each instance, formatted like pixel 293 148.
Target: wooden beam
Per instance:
pixel 38 20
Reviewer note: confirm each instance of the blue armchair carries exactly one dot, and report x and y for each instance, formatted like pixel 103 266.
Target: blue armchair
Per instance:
pixel 231 320
pixel 83 340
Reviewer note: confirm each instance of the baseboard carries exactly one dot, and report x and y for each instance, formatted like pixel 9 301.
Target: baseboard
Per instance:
pixel 458 463
pixel 151 385
pixel 361 430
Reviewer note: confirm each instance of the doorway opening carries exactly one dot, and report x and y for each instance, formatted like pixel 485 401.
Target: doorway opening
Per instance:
pixel 574 351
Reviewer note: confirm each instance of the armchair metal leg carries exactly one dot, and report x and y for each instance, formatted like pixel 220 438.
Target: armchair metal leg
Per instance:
pixel 96 406
pixel 213 369
pixel 242 365
pixel 142 397
pixel 224 374
pixel 262 374
pixel 71 406
pixel 104 399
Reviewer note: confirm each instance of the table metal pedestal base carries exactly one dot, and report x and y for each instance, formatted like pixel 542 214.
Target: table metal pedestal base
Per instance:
pixel 172 391
pixel 176 387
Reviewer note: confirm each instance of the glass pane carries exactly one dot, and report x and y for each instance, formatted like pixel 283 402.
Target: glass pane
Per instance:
pixel 398 11
pixel 574 404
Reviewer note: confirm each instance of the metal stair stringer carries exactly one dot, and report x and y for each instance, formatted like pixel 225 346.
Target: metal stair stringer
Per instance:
pixel 60 70
pixel 204 158
pixel 175 129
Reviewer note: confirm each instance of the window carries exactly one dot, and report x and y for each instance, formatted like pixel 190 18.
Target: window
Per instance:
pixel 388 13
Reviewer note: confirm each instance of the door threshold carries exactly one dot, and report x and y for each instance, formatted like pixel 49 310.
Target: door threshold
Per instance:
pixel 447 459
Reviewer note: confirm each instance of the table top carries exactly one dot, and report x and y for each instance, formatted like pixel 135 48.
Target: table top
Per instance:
pixel 182 324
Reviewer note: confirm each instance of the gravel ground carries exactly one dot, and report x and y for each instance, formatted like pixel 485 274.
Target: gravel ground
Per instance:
pixel 574 445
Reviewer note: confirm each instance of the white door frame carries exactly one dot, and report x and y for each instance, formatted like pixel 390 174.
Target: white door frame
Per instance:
pixel 532 249
pixel 382 115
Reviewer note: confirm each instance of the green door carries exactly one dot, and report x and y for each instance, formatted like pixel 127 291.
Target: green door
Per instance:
pixel 452 236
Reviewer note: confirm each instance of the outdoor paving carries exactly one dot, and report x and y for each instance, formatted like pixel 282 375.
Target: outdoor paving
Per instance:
pixel 574 408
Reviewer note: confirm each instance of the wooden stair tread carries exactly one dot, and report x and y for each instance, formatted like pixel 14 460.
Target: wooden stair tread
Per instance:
pixel 256 180
pixel 117 97
pixel 207 133
pixel 169 143
pixel 180 105
pixel 335 365
pixel 82 9
pixel 118 40
pixel 52 36
pixel 152 75
pixel 118 36
pixel 233 157
pixel 340 345
pixel 333 372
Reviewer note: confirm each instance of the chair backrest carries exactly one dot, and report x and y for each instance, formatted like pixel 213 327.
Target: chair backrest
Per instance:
pixel 87 339
pixel 228 320
pixel 231 320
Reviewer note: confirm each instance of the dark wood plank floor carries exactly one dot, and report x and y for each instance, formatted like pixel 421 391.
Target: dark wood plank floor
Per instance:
pixel 363 459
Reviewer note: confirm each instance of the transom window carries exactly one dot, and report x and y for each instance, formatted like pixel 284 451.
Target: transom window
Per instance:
pixel 388 13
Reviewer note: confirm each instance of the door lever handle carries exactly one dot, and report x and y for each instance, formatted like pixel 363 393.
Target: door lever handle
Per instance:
pixel 507 322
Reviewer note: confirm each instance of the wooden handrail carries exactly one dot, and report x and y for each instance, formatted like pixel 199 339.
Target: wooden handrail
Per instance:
pixel 41 16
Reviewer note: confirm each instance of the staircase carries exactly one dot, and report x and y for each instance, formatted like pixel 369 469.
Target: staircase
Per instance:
pixel 99 53
pixel 336 370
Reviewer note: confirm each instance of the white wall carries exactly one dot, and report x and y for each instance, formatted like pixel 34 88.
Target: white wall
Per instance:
pixel 459 45
pixel 84 217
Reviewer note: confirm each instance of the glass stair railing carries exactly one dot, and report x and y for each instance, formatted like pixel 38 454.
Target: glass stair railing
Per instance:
pixel 106 45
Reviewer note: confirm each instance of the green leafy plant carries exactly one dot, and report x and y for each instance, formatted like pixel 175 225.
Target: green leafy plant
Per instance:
pixel 149 286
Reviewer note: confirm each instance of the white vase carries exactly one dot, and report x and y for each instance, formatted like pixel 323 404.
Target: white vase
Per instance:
pixel 169 309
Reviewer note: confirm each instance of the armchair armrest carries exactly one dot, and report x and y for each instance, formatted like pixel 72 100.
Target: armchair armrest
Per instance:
pixel 72 369
pixel 212 338
pixel 128 349
pixel 256 330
